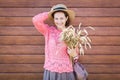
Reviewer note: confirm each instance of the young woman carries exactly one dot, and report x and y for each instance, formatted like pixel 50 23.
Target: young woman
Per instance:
pixel 58 65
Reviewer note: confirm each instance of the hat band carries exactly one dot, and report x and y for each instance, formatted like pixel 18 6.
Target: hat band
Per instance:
pixel 59 8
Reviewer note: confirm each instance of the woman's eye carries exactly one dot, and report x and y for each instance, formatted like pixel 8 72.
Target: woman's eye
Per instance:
pixel 56 18
pixel 61 18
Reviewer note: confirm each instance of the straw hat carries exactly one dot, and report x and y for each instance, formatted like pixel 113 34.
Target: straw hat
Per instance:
pixel 61 7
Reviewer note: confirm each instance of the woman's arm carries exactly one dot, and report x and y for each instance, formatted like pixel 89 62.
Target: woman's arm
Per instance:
pixel 38 22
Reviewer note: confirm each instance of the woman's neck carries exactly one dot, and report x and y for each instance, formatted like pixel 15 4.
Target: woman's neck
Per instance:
pixel 61 29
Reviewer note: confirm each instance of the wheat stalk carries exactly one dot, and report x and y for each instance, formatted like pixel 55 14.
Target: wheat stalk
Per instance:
pixel 76 38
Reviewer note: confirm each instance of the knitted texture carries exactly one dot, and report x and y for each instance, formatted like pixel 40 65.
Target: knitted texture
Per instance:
pixel 56 56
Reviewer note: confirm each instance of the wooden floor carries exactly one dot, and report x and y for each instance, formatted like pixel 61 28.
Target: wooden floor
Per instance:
pixel 22 46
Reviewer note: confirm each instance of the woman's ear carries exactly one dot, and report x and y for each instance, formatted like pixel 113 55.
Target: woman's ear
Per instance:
pixel 66 18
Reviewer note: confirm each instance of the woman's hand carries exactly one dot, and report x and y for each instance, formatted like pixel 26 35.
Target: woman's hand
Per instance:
pixel 72 52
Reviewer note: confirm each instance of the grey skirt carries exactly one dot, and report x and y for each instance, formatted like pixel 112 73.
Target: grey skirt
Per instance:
pixel 48 75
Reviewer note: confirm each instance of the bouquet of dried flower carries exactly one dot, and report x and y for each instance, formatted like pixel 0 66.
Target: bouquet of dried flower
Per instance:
pixel 76 38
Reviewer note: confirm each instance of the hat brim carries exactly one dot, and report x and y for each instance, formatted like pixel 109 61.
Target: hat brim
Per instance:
pixel 71 14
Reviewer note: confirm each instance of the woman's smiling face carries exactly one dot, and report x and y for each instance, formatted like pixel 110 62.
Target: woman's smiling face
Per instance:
pixel 60 20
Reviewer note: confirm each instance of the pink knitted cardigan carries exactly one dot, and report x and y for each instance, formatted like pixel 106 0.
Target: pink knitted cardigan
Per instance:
pixel 56 56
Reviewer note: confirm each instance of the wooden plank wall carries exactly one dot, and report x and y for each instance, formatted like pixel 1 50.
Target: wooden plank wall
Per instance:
pixel 22 46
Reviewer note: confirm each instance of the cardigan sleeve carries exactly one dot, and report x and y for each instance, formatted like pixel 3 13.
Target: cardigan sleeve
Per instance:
pixel 39 24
